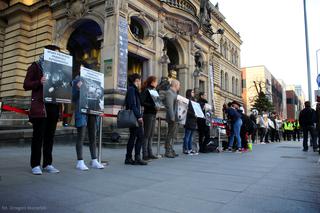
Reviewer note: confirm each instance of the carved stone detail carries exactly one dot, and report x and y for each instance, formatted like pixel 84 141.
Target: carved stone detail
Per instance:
pixel 77 8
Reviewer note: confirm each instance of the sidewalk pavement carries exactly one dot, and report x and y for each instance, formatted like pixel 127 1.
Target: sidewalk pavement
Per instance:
pixel 276 177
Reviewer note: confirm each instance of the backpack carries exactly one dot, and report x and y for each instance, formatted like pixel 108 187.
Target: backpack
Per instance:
pixel 213 145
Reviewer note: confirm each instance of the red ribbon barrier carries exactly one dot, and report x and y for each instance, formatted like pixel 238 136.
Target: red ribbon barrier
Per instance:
pixel 26 112
pixel 14 109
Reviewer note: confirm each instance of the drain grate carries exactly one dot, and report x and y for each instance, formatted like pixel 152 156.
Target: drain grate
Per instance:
pixel 293 157
pixel 289 147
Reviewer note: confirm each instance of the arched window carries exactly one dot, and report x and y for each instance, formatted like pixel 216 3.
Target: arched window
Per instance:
pixel 237 91
pixel 225 50
pixel 226 80
pixel 233 85
pixel 222 80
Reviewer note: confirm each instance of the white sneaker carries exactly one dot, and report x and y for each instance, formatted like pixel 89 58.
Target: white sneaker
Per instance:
pixel 36 170
pixel 96 165
pixel 51 169
pixel 262 143
pixel 81 165
pixel 190 152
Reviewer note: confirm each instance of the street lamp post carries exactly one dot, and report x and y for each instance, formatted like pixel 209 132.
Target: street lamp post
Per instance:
pixel 307 51
pixel 317 61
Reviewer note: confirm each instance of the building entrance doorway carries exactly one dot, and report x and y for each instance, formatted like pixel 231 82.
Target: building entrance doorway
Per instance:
pixel 84 45
pixel 137 64
pixel 173 55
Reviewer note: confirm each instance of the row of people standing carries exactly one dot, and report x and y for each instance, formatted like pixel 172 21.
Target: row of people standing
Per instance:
pixel 44 118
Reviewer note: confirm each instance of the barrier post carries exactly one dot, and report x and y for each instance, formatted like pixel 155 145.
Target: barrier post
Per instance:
pixel 159 138
pixel 219 139
pixel 100 139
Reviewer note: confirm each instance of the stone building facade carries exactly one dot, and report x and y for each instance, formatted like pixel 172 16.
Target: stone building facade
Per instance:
pixel 184 39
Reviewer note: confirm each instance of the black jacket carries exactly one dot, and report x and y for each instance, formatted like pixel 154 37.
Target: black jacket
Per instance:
pixel 202 121
pixel 133 101
pixel 191 121
pixel 147 102
pixel 307 117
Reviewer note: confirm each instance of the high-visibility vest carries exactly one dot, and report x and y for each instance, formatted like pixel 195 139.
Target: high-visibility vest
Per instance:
pixel 290 127
pixel 285 126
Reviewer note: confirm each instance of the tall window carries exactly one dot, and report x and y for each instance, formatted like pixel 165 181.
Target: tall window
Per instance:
pixel 201 86
pixel 236 58
pixel 221 46
pixel 237 87
pixel 222 80
pixel 226 84
pixel 233 84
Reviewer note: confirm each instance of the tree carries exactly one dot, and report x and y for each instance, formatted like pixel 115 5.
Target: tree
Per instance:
pixel 261 101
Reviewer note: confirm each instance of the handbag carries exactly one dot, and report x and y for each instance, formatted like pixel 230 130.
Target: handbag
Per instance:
pixel 126 118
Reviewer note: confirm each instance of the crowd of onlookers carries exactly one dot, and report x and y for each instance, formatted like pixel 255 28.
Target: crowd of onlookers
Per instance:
pixel 268 127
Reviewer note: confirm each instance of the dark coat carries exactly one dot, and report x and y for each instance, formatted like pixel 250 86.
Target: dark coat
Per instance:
pixel 32 82
pixel 147 102
pixel 191 121
pixel 307 117
pixel 133 101
pixel 202 121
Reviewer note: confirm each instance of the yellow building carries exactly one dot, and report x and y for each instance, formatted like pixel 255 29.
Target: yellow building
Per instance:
pixel 184 39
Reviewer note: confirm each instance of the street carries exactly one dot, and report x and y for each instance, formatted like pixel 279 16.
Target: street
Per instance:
pixel 276 177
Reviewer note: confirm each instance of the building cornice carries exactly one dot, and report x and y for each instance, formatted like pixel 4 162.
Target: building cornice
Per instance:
pixel 20 7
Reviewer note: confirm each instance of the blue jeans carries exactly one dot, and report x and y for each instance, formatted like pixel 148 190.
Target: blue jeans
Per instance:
pixel 187 140
pixel 236 127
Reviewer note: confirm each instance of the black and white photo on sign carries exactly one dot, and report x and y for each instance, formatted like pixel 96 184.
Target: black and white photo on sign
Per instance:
pixel 156 98
pixel 197 109
pixel 182 104
pixel 91 91
pixel 57 69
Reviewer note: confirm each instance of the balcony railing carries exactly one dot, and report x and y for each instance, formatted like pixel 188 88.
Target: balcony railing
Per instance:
pixel 184 5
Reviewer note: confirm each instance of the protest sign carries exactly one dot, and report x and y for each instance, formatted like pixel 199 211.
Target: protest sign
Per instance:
pixel 182 104
pixel 91 92
pixel 57 69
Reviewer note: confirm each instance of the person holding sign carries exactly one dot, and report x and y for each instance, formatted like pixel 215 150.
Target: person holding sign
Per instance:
pixel 171 117
pixel 149 115
pixel 190 126
pixel 43 116
pixel 84 121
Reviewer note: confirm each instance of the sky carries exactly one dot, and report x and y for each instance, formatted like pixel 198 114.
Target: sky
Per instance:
pixel 273 35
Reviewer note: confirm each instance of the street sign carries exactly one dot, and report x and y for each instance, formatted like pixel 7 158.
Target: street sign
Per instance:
pixel 318 80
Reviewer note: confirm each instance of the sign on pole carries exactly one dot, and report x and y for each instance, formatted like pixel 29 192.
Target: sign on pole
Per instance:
pixel 91 92
pixel 57 69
